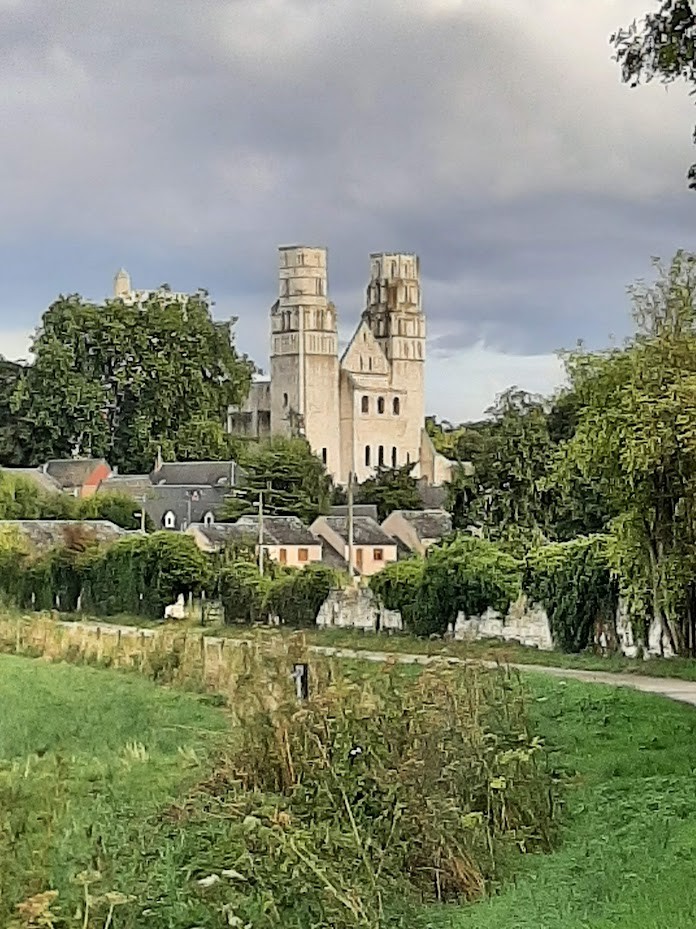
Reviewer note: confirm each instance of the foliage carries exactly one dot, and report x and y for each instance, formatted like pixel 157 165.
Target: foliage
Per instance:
pixel 10 428
pixel 293 479
pixel 390 489
pixel 117 381
pixel 143 574
pixel 293 595
pixel 664 47
pixel 465 574
pixel 574 583
pixel 636 438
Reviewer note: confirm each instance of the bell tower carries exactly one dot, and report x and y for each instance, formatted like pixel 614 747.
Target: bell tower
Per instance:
pixel 304 354
pixel 395 316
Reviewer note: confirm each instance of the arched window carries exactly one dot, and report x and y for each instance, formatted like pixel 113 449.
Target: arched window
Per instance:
pixel 365 404
pixel 169 520
pixel 367 456
pixel 208 519
pixel 396 406
pixel 380 458
pixel 380 404
pixel 369 363
pixel 285 401
pixel 394 458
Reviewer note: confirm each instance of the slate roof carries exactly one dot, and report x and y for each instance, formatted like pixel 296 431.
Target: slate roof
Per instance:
pixel 43 481
pixel 73 472
pixel 432 497
pixel 211 473
pixel 428 524
pixel 366 531
pixel 277 530
pixel 359 509
pixel 135 485
pixel 43 534
pixel 333 559
pixel 166 498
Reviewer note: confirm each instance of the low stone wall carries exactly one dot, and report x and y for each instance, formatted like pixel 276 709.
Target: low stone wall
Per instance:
pixel 525 623
pixel 357 608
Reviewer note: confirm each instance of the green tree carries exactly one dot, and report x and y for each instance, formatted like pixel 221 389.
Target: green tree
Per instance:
pixel 11 446
pixel 662 46
pixel 636 439
pixel 117 381
pixel 293 479
pixel 390 489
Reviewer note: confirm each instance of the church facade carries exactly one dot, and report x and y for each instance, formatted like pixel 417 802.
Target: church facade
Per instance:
pixel 364 409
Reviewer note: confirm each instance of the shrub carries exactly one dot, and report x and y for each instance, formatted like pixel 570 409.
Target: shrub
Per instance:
pixel 466 575
pixel 574 583
pixel 243 593
pixel 296 596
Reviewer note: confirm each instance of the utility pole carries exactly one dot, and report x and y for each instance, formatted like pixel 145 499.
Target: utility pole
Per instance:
pixel 351 572
pixel 260 532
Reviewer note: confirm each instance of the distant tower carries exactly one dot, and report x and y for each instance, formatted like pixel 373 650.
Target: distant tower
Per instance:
pixel 122 284
pixel 304 354
pixel 395 316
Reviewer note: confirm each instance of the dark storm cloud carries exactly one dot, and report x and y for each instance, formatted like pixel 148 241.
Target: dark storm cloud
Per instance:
pixel 188 139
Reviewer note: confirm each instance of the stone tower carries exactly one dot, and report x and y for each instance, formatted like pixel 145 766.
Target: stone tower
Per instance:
pixel 122 284
pixel 395 316
pixel 304 354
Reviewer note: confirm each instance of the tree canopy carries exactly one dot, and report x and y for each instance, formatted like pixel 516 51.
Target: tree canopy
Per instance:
pixel 117 381
pixel 390 489
pixel 293 479
pixel 662 46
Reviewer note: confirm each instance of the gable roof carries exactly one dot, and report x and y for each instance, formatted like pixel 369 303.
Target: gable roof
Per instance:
pixel 363 344
pixel 359 509
pixel 277 530
pixel 211 473
pixel 73 472
pixel 42 534
pixel 130 484
pixel 366 531
pixel 170 498
pixel 42 480
pixel 427 524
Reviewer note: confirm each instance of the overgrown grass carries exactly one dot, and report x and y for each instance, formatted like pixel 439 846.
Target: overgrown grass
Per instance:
pixel 629 845
pixel 86 756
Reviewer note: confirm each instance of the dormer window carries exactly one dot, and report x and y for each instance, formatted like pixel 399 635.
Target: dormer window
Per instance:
pixel 208 519
pixel 169 520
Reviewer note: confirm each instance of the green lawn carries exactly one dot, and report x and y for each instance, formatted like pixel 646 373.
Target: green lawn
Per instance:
pixel 86 756
pixel 629 846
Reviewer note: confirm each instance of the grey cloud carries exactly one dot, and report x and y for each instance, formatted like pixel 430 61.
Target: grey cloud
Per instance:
pixel 494 139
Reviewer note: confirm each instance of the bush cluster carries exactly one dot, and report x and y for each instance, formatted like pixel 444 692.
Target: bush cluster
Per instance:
pixel 138 574
pixel 464 575
pixel 575 584
pixel 294 596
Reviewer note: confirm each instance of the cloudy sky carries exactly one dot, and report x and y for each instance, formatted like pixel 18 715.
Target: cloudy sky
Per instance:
pixel 187 139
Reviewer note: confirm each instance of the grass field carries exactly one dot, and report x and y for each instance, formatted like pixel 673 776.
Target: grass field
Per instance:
pixel 88 756
pixel 629 846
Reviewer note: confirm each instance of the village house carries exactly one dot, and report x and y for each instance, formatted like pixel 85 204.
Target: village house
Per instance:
pixel 372 547
pixel 417 530
pixel 79 477
pixel 286 539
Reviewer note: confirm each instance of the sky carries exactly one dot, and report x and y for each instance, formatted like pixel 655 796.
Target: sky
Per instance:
pixel 187 139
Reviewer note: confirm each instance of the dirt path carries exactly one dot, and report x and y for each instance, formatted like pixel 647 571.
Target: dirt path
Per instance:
pixel 672 688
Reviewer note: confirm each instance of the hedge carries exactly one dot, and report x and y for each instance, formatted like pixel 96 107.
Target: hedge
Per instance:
pixel 574 583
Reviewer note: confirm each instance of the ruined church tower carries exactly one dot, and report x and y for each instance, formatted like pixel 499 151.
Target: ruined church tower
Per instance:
pixel 395 316
pixel 304 354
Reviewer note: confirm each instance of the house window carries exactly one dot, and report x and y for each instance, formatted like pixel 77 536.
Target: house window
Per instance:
pixel 379 554
pixel 169 521
pixel 380 458
pixel 396 406
pixel 380 404
pixel 208 519
pixel 365 404
pixel 302 554
pixel 394 458
pixel 323 455
pixel 367 455
pixel 283 556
